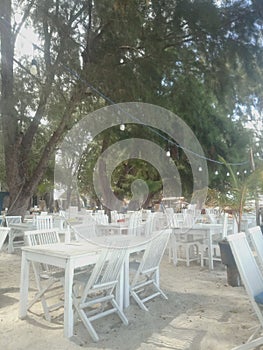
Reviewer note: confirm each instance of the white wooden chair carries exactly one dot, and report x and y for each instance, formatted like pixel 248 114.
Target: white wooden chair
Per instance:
pixel 215 246
pixel 256 238
pixel 47 277
pixel 146 277
pixel 99 288
pixel 44 222
pixel 252 279
pixel 150 224
pixel 184 246
pixel 115 216
pixel 14 233
pixel 84 232
pixel 101 218
pixel 4 231
pixel 135 225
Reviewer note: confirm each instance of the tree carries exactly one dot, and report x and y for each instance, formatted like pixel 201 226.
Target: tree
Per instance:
pixel 201 60
pixel 239 190
pixel 24 172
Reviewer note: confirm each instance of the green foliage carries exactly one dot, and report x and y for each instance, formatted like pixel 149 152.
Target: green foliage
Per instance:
pixel 200 59
pixel 238 191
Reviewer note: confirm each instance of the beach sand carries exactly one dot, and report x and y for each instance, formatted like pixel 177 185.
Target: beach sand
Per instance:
pixel 202 313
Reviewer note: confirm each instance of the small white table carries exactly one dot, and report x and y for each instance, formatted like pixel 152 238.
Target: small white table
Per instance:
pixel 118 228
pixel 18 230
pixel 64 255
pixel 205 230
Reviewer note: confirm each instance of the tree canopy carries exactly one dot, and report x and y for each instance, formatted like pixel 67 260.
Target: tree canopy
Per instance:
pixel 201 59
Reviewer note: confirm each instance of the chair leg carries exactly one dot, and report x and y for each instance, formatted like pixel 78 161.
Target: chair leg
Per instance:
pixel 138 301
pixel 88 324
pixel 160 291
pixel 39 296
pixel 251 345
pixel 119 312
pixel 10 242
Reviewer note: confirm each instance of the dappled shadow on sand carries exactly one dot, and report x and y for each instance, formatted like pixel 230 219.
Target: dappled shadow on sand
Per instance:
pixel 167 325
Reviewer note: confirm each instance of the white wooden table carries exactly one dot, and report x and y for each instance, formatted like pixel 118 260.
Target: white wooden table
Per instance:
pixel 63 255
pixel 205 230
pixel 18 230
pixel 70 256
pixel 118 228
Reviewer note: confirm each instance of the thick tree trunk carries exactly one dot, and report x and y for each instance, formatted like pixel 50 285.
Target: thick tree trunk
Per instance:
pixel 21 179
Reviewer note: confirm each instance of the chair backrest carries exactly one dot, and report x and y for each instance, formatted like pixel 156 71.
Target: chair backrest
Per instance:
pixel 44 222
pixel 101 218
pixel 153 253
pixel 135 224
pixel 84 232
pixel 170 217
pixel 106 271
pixel 3 234
pixel 40 237
pixel 256 238
pixel 189 220
pixel 115 216
pixel 13 220
pixel 248 268
pixel 155 222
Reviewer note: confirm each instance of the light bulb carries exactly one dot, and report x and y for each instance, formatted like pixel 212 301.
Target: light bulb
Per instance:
pixel 216 172
pixel 227 174
pixel 33 68
pixel 89 137
pixel 200 169
pixel 122 127
pixel 168 153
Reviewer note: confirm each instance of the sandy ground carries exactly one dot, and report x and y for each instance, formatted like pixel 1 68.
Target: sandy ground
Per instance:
pixel 202 313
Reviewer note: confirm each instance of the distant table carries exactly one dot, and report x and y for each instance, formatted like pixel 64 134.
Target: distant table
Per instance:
pixel 118 228
pixel 18 230
pixel 205 230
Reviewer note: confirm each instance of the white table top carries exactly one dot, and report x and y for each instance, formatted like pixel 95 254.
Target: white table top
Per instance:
pixel 78 248
pixel 63 249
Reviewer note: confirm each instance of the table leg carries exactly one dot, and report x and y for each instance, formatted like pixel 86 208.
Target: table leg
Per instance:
pixel 173 247
pixel 120 289
pixel 10 248
pixel 210 251
pixel 68 307
pixel 126 284
pixel 24 283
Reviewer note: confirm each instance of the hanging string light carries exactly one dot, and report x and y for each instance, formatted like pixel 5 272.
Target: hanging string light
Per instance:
pixel 33 68
pixel 168 153
pixel 34 71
